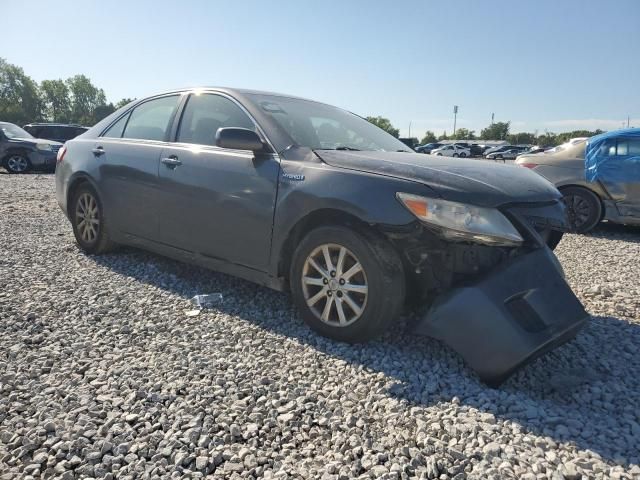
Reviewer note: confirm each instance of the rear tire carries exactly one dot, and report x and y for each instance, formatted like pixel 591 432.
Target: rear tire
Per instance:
pixel 88 221
pixel 462 155
pixel 361 305
pixel 455 155
pixel 583 208
pixel 17 163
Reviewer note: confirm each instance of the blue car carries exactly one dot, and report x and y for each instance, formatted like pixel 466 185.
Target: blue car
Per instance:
pixel 599 177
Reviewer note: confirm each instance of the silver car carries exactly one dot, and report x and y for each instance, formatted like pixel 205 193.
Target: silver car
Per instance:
pixel 589 202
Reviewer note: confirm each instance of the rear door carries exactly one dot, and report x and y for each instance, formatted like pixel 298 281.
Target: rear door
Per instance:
pixel 128 154
pixel 217 202
pixel 621 178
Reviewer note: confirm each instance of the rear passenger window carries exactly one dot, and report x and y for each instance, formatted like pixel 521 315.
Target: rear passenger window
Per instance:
pixel 150 121
pixel 205 114
pixel 622 147
pixel 115 130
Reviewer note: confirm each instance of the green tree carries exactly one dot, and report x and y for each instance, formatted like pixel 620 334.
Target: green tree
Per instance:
pixel 123 102
pixel 464 134
pixel 85 98
pixel 565 137
pixel 56 103
pixel 496 131
pixel 443 136
pixel 547 140
pixel 103 111
pixel 522 138
pixel 384 124
pixel 19 96
pixel 429 137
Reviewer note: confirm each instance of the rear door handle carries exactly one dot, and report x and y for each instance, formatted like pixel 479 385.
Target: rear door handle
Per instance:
pixel 171 162
pixel 98 151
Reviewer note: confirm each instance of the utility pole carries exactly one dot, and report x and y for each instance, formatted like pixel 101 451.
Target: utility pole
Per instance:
pixel 492 115
pixel 627 121
pixel 409 128
pixel 455 117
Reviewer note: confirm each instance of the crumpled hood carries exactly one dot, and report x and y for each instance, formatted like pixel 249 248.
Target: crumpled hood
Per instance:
pixel 477 182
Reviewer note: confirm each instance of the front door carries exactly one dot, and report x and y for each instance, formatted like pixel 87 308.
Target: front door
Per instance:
pixel 217 202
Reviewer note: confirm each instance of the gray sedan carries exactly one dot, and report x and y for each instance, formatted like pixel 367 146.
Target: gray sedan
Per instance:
pixel 302 196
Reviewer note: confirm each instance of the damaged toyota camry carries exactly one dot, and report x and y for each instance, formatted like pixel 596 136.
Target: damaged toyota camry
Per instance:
pixel 302 196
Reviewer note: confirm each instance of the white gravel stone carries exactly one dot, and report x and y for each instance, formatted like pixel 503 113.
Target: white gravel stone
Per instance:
pixel 103 376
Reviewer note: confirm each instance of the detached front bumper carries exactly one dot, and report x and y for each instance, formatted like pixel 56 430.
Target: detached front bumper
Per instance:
pixel 520 310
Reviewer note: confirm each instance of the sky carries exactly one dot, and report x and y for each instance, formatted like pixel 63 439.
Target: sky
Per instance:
pixel 543 65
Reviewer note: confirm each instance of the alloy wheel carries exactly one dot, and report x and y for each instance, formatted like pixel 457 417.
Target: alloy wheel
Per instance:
pixel 17 163
pixel 578 210
pixel 334 285
pixel 87 217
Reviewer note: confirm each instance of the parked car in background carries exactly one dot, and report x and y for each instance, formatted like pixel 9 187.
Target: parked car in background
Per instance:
pixel 452 151
pixel 504 148
pixel 58 132
pixel 603 186
pixel 510 154
pixel 536 149
pixel 302 196
pixel 427 148
pixel 476 150
pixel 21 152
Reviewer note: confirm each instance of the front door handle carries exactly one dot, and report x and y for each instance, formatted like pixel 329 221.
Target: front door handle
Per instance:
pixel 98 151
pixel 171 162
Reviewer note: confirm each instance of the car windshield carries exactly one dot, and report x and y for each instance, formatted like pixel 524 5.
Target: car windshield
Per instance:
pixel 323 127
pixel 13 131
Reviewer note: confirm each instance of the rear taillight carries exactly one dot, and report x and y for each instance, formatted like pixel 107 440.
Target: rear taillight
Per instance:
pixel 528 165
pixel 61 154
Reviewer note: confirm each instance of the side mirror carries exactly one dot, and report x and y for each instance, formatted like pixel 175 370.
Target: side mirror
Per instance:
pixel 238 139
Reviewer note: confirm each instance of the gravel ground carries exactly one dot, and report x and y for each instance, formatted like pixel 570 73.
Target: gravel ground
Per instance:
pixel 103 375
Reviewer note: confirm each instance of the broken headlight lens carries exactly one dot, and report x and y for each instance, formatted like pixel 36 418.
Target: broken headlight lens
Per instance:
pixel 462 222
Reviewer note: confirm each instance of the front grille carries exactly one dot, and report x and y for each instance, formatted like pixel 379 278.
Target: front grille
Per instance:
pixel 55 148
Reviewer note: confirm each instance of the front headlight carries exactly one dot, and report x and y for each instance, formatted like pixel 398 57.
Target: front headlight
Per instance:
pixel 459 221
pixel 44 146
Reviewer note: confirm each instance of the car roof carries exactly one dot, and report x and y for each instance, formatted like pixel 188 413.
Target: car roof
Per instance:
pixel 232 91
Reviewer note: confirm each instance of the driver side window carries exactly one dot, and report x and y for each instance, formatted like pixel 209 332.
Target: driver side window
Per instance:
pixel 205 114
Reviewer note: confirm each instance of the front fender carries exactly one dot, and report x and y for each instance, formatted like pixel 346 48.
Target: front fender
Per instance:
pixel 306 187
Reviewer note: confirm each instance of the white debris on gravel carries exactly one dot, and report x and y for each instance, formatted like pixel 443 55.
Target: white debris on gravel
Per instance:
pixel 103 376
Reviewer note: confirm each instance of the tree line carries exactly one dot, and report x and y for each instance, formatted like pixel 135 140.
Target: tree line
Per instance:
pixel 495 131
pixel 77 100
pixel 74 100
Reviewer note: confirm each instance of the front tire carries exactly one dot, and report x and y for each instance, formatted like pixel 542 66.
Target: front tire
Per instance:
pixel 583 208
pixel 348 285
pixel 17 163
pixel 455 155
pixel 462 155
pixel 88 221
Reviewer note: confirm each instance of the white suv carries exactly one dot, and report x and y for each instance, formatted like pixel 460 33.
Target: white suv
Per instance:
pixel 452 151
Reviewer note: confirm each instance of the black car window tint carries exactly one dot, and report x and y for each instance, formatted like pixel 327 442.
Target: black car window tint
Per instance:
pixel 205 114
pixel 150 120
pixel 115 130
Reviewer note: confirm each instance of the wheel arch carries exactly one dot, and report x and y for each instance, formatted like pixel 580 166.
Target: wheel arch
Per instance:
pixel 312 220
pixel 591 190
pixel 75 182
